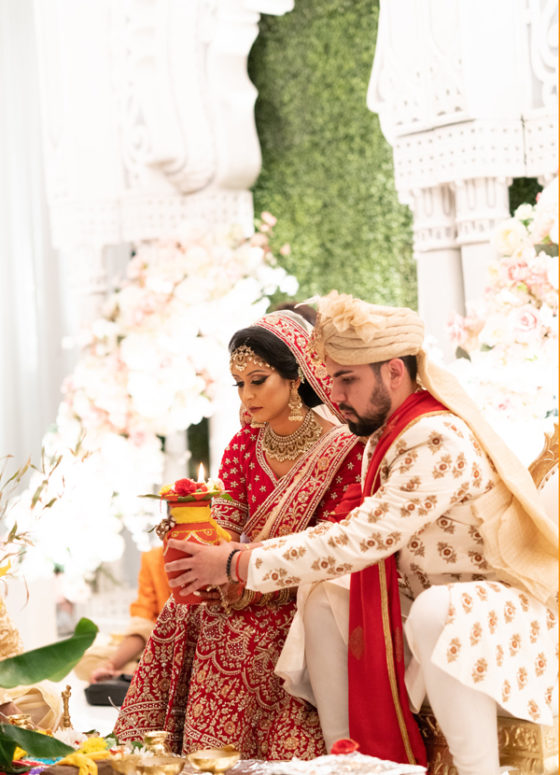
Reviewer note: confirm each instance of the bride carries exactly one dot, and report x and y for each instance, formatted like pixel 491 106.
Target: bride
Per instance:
pixel 207 672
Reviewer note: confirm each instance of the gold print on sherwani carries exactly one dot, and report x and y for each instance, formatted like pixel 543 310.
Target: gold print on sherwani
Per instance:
pixel 380 542
pixel 499 655
pixel 476 633
pixel 446 552
pixel 509 611
pixel 453 649
pixel 521 678
pixel 415 546
pixel 409 508
pixel 295 553
pixel 407 461
pixel 412 484
pixel 533 709
pixel 435 441
pixel 428 504
pixel 479 670
pixel 378 512
pixel 478 559
pixel 459 466
pixel 514 644
pixel 442 467
pixel 540 664
pixel 338 540
pixel 446 524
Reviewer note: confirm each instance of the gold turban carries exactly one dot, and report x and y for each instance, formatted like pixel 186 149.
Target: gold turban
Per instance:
pixel 351 331
pixel 520 540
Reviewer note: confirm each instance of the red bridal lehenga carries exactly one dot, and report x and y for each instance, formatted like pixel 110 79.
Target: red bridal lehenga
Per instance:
pixel 207 675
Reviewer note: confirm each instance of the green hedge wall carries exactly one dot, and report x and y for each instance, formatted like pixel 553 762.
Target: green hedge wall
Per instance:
pixel 327 171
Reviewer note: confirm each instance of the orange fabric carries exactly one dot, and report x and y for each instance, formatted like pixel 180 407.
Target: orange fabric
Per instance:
pixel 153 587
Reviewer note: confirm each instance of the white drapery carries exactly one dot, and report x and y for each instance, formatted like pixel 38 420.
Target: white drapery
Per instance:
pixel 31 358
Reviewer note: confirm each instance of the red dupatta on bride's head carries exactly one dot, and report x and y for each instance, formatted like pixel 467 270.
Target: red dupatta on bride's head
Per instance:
pixel 295 331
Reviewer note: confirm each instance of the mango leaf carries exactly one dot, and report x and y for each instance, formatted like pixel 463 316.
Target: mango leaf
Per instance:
pixel 33 743
pixel 53 661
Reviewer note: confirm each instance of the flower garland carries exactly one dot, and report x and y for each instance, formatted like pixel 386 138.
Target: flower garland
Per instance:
pixel 507 344
pixel 149 367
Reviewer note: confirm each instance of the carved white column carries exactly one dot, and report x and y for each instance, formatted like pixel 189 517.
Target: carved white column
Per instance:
pixel 481 205
pixel 438 260
pixel 466 94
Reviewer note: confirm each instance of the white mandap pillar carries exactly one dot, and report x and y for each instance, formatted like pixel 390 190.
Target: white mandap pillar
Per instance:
pixel 438 257
pixel 466 95
pixel 481 205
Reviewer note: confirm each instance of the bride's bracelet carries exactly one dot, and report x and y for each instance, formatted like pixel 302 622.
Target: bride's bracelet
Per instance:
pixel 228 565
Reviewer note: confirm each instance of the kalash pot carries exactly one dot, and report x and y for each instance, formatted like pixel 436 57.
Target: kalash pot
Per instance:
pixel 189 521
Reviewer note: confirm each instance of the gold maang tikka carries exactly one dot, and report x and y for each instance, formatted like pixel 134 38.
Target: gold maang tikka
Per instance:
pixel 240 359
pixel 241 356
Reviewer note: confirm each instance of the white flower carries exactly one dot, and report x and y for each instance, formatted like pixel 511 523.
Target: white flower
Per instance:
pixel 509 236
pixel 524 212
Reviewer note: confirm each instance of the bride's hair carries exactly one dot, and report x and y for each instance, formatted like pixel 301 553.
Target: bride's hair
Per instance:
pixel 277 354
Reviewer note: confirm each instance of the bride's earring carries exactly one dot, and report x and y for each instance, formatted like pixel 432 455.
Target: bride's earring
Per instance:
pixel 296 405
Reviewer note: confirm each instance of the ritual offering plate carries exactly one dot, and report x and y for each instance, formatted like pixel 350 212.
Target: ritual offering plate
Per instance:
pixel 138 764
pixel 214 760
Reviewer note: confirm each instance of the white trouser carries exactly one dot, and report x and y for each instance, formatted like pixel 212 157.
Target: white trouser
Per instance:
pixel 467 718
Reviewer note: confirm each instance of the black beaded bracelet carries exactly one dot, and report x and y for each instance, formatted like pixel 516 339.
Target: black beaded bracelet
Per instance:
pixel 228 564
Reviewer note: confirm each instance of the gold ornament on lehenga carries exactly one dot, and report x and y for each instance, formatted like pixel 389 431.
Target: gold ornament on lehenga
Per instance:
pixel 293 446
pixel 242 356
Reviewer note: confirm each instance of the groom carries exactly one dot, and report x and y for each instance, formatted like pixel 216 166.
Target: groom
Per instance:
pixel 477 557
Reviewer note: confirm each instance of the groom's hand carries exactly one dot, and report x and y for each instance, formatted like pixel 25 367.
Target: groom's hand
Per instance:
pixel 202 565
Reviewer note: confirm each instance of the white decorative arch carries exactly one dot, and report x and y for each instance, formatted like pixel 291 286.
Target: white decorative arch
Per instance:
pixel 466 93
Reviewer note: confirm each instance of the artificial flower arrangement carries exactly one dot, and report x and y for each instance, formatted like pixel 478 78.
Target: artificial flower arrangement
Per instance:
pixel 150 365
pixel 507 344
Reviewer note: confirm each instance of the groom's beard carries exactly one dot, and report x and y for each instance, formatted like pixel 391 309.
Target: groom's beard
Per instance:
pixel 376 416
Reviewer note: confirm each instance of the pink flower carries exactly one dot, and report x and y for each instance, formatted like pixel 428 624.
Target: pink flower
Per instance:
pixel 457 329
pixel 268 218
pixel 526 320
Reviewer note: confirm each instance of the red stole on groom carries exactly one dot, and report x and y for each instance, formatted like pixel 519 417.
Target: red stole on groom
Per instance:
pixel 379 714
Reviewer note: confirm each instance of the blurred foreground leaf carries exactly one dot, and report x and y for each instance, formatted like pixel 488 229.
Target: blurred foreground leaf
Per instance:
pixel 33 743
pixel 53 661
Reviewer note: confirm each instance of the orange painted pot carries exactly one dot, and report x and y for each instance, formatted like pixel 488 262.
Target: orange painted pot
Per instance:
pixel 193 522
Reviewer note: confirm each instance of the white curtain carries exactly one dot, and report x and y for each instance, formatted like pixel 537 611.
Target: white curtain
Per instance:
pixel 32 363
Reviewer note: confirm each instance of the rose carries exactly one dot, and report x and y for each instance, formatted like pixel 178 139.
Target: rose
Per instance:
pixel 524 212
pixel 185 487
pixel 509 237
pixel 344 745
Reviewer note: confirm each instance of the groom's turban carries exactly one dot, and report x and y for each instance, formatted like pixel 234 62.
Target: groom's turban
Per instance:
pixel 352 332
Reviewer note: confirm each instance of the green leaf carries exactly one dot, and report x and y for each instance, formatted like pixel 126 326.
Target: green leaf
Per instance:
pixel 460 352
pixel 33 743
pixel 53 661
pixel 7 748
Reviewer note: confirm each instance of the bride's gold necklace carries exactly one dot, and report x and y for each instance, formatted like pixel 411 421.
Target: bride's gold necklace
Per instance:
pixel 290 447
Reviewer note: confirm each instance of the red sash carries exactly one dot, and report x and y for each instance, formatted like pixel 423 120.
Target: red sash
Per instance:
pixel 379 714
